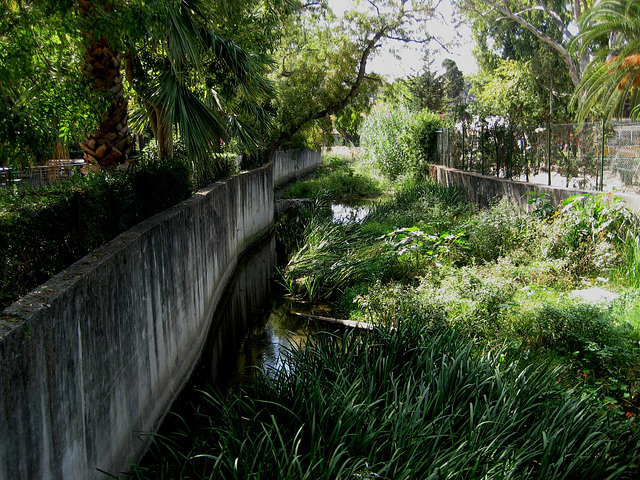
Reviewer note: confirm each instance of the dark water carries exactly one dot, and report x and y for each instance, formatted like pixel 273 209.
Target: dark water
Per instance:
pixel 253 323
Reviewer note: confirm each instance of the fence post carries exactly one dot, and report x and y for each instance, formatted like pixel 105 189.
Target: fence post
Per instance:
pixel 509 166
pixel 549 153
pixel 482 146
pixel 602 157
pixel 463 132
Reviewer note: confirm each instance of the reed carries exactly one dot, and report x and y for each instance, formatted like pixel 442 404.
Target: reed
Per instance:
pixel 401 403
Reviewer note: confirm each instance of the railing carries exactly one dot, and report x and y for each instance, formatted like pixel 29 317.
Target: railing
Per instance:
pixel 41 175
pixel 594 156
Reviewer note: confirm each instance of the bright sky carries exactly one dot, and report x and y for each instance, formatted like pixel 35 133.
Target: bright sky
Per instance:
pixel 412 56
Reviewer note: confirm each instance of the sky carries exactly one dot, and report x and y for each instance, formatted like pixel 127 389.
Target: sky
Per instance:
pixel 412 57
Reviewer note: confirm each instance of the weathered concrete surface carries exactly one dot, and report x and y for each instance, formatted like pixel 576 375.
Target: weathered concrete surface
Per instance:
pixel 100 351
pixel 293 164
pixel 483 189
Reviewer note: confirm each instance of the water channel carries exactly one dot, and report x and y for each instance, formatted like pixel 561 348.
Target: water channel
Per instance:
pixel 253 324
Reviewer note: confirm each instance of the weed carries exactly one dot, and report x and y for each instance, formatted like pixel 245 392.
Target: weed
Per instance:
pixel 398 403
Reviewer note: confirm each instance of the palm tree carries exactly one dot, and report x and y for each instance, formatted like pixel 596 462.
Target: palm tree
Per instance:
pixel 110 143
pixel 178 79
pixel 609 85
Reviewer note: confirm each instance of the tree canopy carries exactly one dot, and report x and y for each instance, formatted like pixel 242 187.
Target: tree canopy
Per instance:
pixel 322 64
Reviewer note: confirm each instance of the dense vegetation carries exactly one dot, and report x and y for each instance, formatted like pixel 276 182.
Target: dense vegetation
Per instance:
pixel 427 255
pixel 45 230
pixel 403 403
pixel 482 365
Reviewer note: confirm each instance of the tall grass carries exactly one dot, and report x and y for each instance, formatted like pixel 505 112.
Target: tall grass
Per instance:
pixel 402 403
pixel 336 177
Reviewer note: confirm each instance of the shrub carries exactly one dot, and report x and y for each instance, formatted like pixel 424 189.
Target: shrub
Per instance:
pixel 45 230
pixel 423 139
pixel 383 137
pixel 585 333
pixel 398 141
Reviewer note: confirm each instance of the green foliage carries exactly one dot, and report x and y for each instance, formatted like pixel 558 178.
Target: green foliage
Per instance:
pixel 383 138
pixel 422 143
pixel 609 33
pixel 497 231
pixel 510 92
pixel 399 403
pixel 587 335
pixel 595 228
pixel 45 101
pixel 398 141
pixel 541 205
pixel 537 41
pixel 45 230
pixel 322 62
pixel 335 178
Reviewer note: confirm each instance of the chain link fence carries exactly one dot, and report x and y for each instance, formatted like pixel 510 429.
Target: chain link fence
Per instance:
pixel 594 156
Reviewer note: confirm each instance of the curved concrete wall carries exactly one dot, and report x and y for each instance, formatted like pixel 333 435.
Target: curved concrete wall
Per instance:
pixel 100 351
pixel 293 164
pixel 482 189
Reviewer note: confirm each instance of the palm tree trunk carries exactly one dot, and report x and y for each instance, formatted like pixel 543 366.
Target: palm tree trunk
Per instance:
pixel 109 145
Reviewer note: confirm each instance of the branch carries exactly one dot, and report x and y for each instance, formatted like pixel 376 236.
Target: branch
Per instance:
pixel 339 104
pixel 574 71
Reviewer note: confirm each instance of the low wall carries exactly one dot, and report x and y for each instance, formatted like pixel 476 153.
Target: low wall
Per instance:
pixel 100 351
pixel 293 164
pixel 483 189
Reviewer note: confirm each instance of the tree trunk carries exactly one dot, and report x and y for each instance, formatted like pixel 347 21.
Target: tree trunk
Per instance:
pixel 109 145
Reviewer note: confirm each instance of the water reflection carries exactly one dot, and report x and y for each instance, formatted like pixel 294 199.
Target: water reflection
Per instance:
pixel 265 343
pixel 251 326
pixel 342 213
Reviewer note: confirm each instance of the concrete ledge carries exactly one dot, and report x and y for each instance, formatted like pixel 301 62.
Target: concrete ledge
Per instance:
pixel 483 190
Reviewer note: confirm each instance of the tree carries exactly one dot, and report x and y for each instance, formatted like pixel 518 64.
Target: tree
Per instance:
pixel 46 103
pixel 609 87
pixel 187 74
pixel 453 83
pixel 510 93
pixel 426 90
pixel 399 141
pixel 194 78
pixel 502 37
pixel 109 144
pixel 549 22
pixel 322 65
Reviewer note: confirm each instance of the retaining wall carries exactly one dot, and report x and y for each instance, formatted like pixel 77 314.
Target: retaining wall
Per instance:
pixel 101 350
pixel 483 189
pixel 293 164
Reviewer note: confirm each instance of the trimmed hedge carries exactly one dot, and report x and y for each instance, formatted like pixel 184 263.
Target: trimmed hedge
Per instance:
pixel 44 230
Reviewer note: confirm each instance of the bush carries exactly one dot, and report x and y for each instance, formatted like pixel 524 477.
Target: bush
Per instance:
pixel 585 333
pixel 398 141
pixel 497 231
pixel 383 137
pixel 45 230
pixel 423 139
pixel 335 178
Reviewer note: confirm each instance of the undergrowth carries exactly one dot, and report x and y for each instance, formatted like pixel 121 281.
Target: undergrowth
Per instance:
pixel 493 274
pixel 403 403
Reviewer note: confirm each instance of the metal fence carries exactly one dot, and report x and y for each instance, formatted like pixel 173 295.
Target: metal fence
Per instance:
pixel 596 156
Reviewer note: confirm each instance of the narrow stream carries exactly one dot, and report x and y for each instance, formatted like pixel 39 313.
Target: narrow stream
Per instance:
pixel 252 325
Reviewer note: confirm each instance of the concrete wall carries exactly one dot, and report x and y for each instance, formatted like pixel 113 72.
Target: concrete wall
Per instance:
pixel 100 351
pixel 293 164
pixel 483 189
